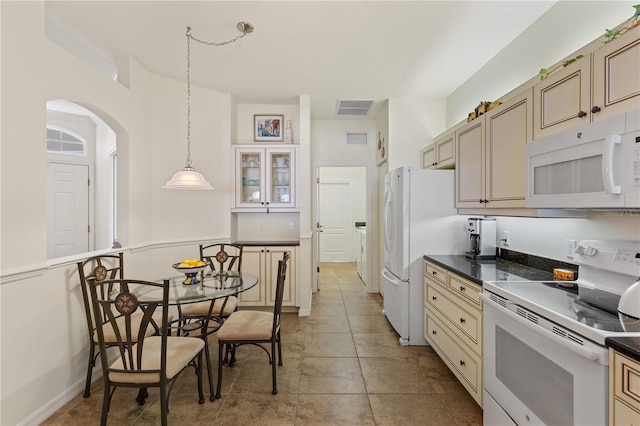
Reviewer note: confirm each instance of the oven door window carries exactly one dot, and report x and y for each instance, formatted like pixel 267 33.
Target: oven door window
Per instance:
pixel 543 386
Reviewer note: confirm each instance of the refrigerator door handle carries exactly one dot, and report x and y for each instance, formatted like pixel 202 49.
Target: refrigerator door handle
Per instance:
pixel 392 278
pixel 387 221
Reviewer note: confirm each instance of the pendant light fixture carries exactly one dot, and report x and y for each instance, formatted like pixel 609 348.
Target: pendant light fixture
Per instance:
pixel 188 178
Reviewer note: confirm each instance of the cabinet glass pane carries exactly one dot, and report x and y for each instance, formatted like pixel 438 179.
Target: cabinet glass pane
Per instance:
pixel 251 177
pixel 280 178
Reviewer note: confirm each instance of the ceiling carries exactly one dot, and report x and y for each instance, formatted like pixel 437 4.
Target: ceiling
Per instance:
pixel 328 50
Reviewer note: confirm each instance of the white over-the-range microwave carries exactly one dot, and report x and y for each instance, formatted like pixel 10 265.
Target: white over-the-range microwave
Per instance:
pixel 596 165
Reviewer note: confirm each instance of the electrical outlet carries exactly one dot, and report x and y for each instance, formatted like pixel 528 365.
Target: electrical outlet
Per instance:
pixel 505 238
pixel 570 247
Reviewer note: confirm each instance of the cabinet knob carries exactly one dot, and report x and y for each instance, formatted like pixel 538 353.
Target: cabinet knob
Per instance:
pixel 434 272
pixel 434 332
pixel 262 202
pixel 267 203
pixel 582 114
pixel 595 109
pixel 481 201
pixel 434 298
pixel 462 288
pixel 462 321
pixel 462 363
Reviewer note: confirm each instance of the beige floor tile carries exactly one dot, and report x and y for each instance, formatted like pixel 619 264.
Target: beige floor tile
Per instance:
pixel 254 376
pixel 327 324
pixel 385 345
pixel 395 375
pixel 333 410
pixel 359 306
pixel 331 375
pixel 370 324
pixel 333 345
pixel 408 409
pixel 331 308
pixel 257 409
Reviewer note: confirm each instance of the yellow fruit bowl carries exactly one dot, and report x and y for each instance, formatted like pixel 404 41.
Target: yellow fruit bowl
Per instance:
pixel 191 272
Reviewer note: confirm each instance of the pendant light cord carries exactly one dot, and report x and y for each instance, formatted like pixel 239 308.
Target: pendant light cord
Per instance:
pixel 243 27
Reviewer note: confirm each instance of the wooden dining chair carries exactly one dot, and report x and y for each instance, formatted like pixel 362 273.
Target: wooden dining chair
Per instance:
pixel 205 318
pixel 142 360
pixel 255 328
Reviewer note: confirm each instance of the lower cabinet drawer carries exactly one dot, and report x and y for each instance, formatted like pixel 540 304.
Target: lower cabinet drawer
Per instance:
pixel 466 365
pixel 624 415
pixel 627 380
pixel 467 322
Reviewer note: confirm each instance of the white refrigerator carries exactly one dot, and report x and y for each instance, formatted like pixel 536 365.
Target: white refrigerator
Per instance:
pixel 420 218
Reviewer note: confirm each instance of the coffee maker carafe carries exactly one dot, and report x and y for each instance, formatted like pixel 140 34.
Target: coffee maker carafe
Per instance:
pixel 482 238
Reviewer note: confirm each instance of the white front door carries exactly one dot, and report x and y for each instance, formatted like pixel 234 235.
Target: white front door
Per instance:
pixel 68 206
pixel 334 215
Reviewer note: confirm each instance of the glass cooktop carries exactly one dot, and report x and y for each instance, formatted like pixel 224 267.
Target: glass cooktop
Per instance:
pixel 583 309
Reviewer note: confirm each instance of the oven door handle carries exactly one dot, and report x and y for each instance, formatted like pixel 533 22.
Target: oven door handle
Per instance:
pixel 573 347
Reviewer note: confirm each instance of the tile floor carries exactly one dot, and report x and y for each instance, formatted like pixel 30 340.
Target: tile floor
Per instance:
pixel 342 366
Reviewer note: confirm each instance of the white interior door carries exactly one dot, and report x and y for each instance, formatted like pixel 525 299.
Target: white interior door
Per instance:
pixel 334 215
pixel 68 205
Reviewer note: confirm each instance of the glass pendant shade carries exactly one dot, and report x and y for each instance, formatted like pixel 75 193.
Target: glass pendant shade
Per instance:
pixel 188 179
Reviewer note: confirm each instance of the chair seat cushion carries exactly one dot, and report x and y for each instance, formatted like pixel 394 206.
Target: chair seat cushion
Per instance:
pixel 136 319
pixel 201 309
pixel 247 325
pixel 180 351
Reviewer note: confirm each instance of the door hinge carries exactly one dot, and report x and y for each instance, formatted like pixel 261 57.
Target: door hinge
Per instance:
pixel 89 228
pixel 88 182
pixel 318 269
pixel 317 180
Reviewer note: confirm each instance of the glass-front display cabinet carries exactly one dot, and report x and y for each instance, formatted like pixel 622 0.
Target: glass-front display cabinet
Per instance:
pixel 265 178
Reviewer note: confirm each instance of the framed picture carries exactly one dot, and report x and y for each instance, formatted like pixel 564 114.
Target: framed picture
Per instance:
pixel 268 128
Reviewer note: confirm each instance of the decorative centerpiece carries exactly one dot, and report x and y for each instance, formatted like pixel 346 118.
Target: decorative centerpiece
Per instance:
pixel 190 268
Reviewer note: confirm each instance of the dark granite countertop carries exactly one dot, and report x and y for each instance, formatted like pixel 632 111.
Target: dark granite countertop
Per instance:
pixel 629 346
pixel 268 243
pixel 489 270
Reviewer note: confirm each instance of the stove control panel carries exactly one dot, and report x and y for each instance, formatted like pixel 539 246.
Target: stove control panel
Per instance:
pixel 618 256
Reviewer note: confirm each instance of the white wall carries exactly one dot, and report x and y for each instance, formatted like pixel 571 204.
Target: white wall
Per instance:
pixel 412 125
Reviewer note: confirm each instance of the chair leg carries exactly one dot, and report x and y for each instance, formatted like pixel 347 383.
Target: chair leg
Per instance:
pixel 232 361
pixel 164 406
pixel 279 349
pixel 87 386
pixel 106 399
pixel 209 373
pixel 199 373
pixel 220 346
pixel 273 366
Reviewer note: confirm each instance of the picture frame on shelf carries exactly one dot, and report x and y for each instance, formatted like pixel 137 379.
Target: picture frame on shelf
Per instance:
pixel 268 127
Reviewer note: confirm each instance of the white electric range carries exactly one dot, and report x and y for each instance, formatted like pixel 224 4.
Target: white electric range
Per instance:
pixel 545 359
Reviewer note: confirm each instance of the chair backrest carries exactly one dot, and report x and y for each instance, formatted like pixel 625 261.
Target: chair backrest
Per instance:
pixel 116 300
pixel 282 276
pixel 100 268
pixel 222 257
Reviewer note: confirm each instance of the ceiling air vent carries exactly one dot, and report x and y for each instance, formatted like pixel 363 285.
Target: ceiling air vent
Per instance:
pixel 353 107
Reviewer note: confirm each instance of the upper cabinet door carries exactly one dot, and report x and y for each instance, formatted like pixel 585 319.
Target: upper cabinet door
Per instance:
pixel 281 177
pixel 563 100
pixel 508 130
pixel 470 165
pixel 616 76
pixel 428 155
pixel 250 176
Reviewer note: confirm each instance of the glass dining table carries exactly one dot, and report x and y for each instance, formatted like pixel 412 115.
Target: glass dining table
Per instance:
pixel 209 286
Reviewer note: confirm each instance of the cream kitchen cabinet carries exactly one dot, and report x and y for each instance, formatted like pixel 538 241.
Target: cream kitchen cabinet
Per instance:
pixel 624 390
pixel 441 153
pixel 616 71
pixel 491 156
pixel 264 179
pixel 453 324
pixel 565 99
pixel 262 261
